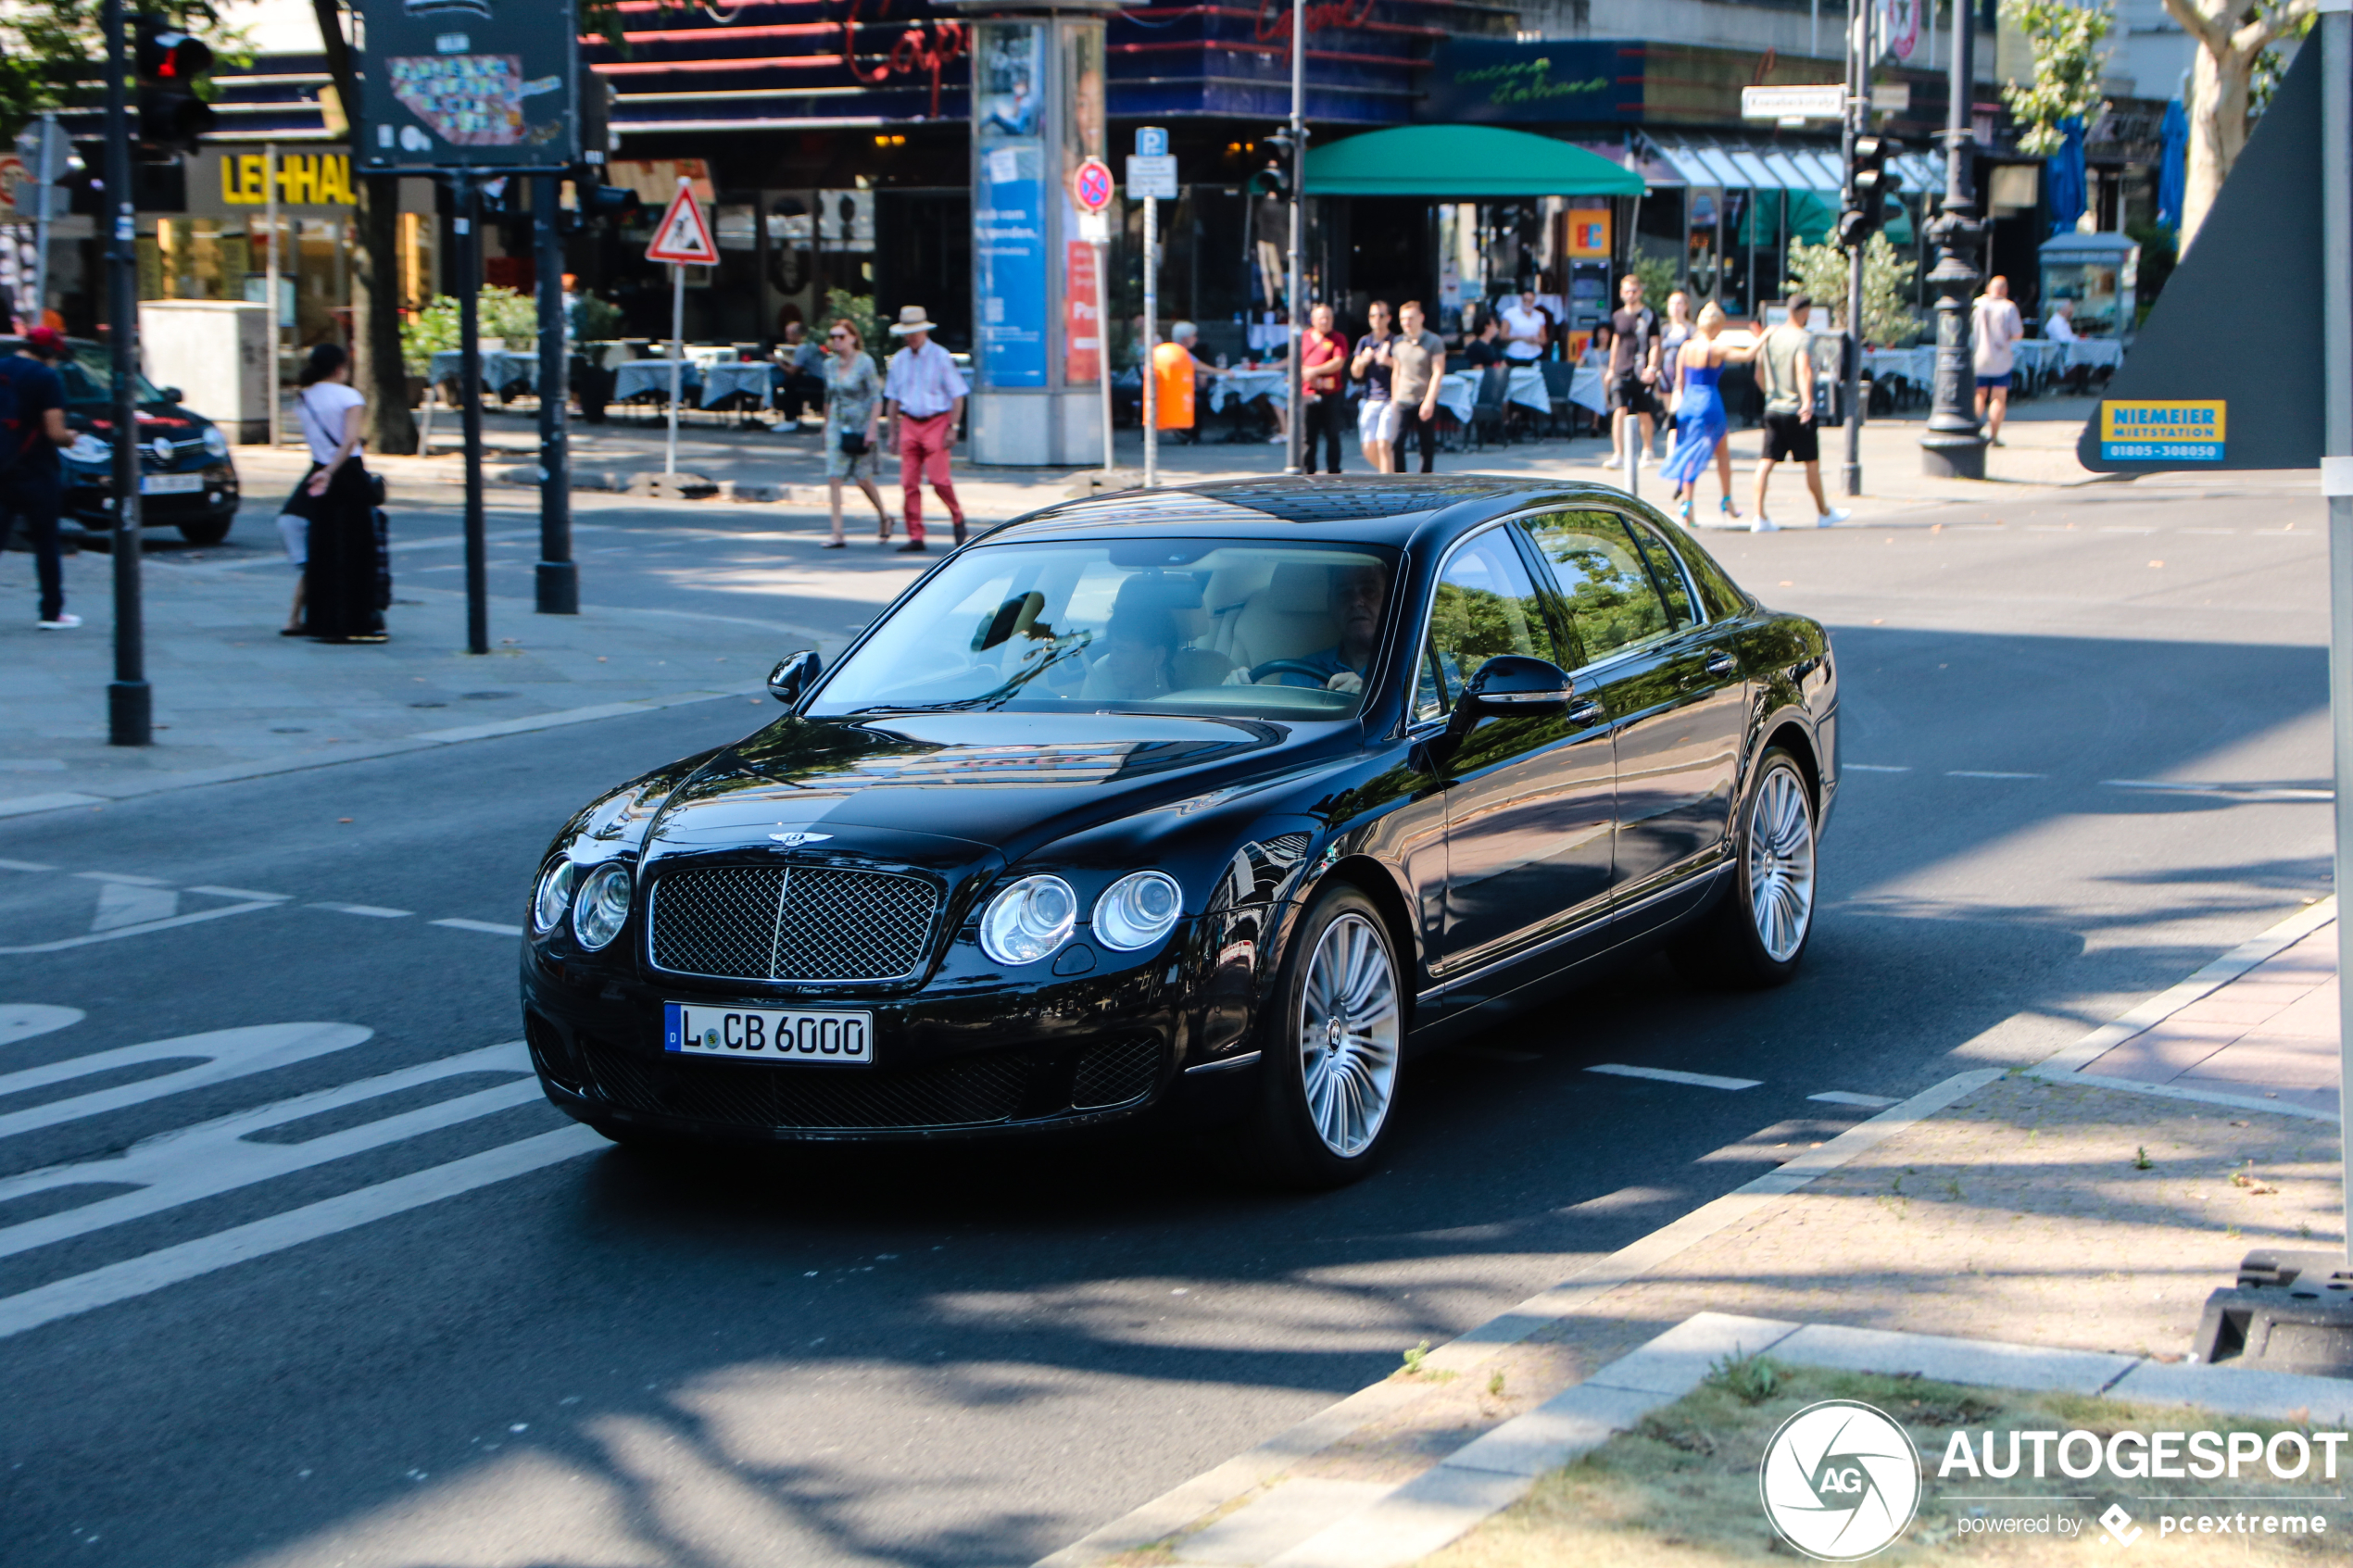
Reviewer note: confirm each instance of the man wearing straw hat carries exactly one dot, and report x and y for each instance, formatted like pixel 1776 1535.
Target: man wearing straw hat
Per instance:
pixel 924 399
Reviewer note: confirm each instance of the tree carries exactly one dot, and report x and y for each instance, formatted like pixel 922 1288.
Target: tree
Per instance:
pixel 50 52
pixel 1820 270
pixel 376 369
pixel 2068 62
pixel 2233 37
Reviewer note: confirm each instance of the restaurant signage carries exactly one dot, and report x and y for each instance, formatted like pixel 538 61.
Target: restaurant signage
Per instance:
pixel 1491 82
pixel 228 184
pixel 485 84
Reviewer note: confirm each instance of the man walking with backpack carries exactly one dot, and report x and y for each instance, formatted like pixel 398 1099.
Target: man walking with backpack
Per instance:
pixel 32 426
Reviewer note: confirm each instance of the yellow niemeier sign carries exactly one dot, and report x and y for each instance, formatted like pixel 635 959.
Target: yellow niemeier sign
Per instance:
pixel 2162 432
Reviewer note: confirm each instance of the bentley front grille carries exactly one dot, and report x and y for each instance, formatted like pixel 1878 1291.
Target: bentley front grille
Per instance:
pixel 792 923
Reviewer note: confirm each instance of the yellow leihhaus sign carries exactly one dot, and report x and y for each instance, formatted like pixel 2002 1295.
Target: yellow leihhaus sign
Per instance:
pixel 304 179
pixel 2162 432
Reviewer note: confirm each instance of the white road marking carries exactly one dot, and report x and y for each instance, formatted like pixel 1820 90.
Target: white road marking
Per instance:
pixel 189 1163
pixel 24 866
pixel 491 926
pixel 121 904
pixel 22 1020
pixel 1869 768
pixel 1668 1076
pixel 172 1265
pixel 1980 773
pixel 122 879
pixel 63 943
pixel 374 912
pixel 1840 1096
pixel 2252 793
pixel 239 893
pixel 226 1053
pixel 25 805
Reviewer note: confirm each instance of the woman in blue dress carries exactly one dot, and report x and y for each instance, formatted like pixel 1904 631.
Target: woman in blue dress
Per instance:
pixel 1699 425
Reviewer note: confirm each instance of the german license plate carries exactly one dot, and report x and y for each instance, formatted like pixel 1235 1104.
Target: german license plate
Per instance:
pixel 169 484
pixel 821 1039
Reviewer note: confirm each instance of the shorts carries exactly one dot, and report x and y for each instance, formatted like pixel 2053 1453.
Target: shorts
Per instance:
pixel 1792 438
pixel 1630 393
pixel 1994 383
pixel 1377 419
pixel 841 465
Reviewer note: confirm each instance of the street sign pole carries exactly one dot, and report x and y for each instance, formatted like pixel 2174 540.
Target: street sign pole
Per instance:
pixel 681 239
pixel 1294 311
pixel 468 227
pixel 1103 334
pixel 1152 340
pixel 48 167
pixel 558 583
pixel 1859 97
pixel 269 280
pixel 2336 480
pixel 677 354
pixel 130 702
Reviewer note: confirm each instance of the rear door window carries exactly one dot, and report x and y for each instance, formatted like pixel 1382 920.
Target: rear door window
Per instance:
pixel 1612 603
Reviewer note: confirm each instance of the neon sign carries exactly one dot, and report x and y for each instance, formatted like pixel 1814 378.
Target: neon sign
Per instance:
pixel 925 46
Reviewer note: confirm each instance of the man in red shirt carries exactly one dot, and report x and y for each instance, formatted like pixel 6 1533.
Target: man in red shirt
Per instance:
pixel 1323 361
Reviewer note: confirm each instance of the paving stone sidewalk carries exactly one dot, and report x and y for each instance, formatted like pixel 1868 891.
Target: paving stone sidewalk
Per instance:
pixel 2055 1210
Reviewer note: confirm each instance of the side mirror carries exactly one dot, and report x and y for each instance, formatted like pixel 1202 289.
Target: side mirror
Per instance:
pixel 794 675
pixel 1510 686
pixel 168 395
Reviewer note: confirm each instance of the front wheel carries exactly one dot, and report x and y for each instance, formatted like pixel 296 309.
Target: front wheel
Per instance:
pixel 211 530
pixel 1331 1047
pixel 1757 932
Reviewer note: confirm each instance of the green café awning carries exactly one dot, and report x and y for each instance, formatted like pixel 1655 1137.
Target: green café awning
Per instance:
pixel 1462 163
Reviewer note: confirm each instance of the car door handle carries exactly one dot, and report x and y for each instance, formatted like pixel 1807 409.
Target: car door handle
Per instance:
pixel 1585 712
pixel 1721 664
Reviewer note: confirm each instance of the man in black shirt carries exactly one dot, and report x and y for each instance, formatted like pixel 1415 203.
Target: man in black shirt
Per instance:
pixel 32 479
pixel 1633 369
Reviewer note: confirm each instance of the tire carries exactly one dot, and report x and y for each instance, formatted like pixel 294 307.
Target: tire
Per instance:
pixel 1756 934
pixel 637 1140
pixel 1328 1083
pixel 209 531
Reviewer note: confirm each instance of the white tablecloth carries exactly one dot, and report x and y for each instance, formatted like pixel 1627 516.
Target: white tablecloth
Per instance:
pixel 1458 392
pixel 637 377
pixel 2104 352
pixel 726 378
pixel 1243 386
pixel 1915 365
pixel 501 370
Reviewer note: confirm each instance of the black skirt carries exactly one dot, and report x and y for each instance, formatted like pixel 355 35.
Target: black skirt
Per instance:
pixel 346 558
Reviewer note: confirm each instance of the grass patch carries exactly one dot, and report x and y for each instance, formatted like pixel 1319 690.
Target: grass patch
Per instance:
pixel 1681 1490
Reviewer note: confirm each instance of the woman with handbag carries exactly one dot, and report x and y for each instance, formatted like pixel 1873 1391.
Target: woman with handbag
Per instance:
pixel 853 397
pixel 345 559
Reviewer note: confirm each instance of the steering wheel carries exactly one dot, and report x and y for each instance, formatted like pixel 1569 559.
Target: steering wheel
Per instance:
pixel 1288 667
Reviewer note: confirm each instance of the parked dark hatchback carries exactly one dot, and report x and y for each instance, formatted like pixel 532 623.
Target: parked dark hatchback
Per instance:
pixel 186 477
pixel 1215 804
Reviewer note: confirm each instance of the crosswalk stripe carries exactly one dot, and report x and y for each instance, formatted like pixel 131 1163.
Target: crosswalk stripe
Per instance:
pixel 191 1260
pixel 226 1053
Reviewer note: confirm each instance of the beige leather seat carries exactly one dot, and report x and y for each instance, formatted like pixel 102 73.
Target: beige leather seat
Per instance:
pixel 1289 616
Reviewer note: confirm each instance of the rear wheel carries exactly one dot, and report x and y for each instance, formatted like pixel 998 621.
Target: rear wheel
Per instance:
pixel 1756 934
pixel 1331 1047
pixel 209 531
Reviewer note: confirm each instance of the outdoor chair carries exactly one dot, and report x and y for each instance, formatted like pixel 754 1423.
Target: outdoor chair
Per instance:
pixel 1488 413
pixel 1560 379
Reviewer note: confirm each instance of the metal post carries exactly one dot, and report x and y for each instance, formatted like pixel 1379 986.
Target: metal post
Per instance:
pixel 51 135
pixel 1102 336
pixel 1152 338
pixel 1293 310
pixel 1955 444
pixel 1858 106
pixel 2337 328
pixel 677 354
pixel 559 576
pixel 270 280
pixel 130 710
pixel 468 227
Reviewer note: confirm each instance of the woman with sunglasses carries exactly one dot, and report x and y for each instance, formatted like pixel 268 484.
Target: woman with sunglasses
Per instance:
pixel 853 397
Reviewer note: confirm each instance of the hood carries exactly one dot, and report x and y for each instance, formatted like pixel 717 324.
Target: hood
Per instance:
pixel 996 781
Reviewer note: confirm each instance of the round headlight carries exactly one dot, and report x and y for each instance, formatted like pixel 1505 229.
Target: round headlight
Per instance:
pixel 1028 920
pixel 602 907
pixel 215 444
pixel 1137 910
pixel 554 896
pixel 88 448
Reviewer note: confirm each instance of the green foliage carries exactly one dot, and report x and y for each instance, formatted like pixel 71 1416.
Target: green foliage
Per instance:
pixel 858 308
pixel 2271 66
pixel 1750 1379
pixel 1888 320
pixel 2160 249
pixel 1415 1357
pixel 505 314
pixel 600 319
pixel 2068 60
pixel 1659 279
pixel 50 52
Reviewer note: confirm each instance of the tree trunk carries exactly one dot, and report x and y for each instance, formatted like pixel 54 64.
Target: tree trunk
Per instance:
pixel 376 369
pixel 2219 94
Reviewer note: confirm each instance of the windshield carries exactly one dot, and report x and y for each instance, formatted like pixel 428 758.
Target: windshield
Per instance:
pixel 1233 629
pixel 89 377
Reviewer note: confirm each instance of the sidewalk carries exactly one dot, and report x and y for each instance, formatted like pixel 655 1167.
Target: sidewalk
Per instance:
pixel 2056 1208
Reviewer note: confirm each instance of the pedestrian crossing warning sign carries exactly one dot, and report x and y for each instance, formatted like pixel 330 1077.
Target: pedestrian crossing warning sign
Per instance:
pixel 2151 432
pixel 682 237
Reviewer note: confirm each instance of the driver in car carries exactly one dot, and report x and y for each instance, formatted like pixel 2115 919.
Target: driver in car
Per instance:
pixel 1357 596
pixel 1139 641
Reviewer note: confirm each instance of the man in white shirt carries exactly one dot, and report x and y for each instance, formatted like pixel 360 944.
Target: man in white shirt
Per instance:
pixel 924 396
pixel 2060 325
pixel 1997 328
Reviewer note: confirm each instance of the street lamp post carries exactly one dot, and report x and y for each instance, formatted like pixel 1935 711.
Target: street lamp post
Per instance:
pixel 129 699
pixel 1955 444
pixel 1294 311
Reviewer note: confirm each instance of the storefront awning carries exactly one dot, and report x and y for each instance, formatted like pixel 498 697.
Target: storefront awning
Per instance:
pixel 1462 163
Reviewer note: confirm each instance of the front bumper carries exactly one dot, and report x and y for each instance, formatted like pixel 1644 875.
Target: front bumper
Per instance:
pixel 89 500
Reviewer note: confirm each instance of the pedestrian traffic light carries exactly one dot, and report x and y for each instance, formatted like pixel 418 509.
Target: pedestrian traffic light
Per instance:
pixel 1870 184
pixel 169 66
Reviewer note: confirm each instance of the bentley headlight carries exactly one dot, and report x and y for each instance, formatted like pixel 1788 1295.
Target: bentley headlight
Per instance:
pixel 215 444
pixel 1137 911
pixel 553 896
pixel 1028 920
pixel 603 905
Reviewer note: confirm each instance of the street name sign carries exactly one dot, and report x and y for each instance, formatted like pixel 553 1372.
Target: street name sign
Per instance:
pixel 1826 100
pixel 682 237
pixel 1152 176
pixel 485 84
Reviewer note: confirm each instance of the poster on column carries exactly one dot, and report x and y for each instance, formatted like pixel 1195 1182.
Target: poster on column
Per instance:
pixel 1082 325
pixel 1008 205
pixel 1084 133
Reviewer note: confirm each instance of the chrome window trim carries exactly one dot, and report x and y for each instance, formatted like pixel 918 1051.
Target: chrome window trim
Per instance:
pixel 922 956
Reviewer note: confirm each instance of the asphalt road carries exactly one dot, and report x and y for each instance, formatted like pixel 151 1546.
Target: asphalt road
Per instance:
pixel 2075 774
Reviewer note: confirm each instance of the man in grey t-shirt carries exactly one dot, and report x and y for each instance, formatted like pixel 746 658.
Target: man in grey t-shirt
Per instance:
pixel 1785 374
pixel 1416 359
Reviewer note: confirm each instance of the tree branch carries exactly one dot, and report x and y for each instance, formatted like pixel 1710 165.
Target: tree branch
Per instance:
pixel 2209 30
pixel 2266 30
pixel 330 17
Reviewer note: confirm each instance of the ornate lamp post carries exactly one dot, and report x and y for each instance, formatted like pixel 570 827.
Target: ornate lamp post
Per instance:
pixel 1955 444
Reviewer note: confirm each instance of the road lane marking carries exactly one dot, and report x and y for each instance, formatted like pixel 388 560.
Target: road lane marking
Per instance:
pixel 1840 1096
pixel 1980 773
pixel 121 879
pixel 491 926
pixel 1869 768
pixel 121 904
pixel 2257 794
pixel 374 912
pixel 226 1053
pixel 191 1260
pixel 22 1020
pixel 25 805
pixel 239 893
pixel 1668 1075
pixel 24 866
pixel 189 1163
pixel 63 943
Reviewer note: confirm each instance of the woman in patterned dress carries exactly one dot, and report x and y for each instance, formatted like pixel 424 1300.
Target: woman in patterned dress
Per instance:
pixel 853 400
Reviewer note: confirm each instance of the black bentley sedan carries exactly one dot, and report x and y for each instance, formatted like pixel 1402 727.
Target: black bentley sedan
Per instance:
pixel 1215 804
pixel 186 477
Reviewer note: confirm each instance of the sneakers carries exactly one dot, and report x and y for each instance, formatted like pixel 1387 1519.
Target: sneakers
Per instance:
pixel 66 621
pixel 913 547
pixel 1832 518
pixel 1764 524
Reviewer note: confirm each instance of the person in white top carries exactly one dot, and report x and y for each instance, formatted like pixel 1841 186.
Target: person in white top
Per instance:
pixel 1997 329
pixel 343 561
pixel 1524 331
pixel 2059 326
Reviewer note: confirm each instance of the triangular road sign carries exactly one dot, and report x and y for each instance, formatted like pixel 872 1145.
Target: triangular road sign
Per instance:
pixel 682 236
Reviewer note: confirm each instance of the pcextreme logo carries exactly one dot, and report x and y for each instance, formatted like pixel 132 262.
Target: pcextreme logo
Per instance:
pixel 1840 1480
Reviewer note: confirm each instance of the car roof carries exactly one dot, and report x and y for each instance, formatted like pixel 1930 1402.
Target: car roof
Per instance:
pixel 1388 511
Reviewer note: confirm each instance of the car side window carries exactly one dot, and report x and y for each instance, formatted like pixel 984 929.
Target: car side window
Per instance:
pixel 1665 570
pixel 1485 605
pixel 1612 601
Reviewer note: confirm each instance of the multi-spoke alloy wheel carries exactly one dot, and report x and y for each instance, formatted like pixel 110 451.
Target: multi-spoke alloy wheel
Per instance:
pixel 1348 1034
pixel 1780 864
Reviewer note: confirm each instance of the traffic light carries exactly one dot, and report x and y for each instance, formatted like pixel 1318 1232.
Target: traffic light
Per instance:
pixel 169 65
pixel 592 202
pixel 1869 185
